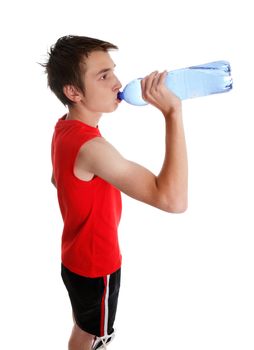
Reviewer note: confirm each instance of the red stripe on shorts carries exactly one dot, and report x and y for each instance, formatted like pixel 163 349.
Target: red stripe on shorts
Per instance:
pixel 103 307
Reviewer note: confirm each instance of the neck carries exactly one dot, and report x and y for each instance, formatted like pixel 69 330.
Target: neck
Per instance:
pixel 85 116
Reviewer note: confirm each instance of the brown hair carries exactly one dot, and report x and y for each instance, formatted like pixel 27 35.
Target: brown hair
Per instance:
pixel 64 63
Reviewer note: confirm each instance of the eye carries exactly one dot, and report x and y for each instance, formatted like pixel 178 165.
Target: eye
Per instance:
pixel 103 77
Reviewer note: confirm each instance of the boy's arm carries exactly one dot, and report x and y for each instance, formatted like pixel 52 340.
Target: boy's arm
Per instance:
pixel 53 179
pixel 168 190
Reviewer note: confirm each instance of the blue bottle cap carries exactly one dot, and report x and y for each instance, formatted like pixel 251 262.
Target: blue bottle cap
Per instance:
pixel 120 95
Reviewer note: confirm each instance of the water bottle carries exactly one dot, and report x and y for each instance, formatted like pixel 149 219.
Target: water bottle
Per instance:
pixel 202 80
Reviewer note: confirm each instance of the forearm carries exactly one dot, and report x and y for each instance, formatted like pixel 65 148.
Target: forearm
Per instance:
pixel 172 181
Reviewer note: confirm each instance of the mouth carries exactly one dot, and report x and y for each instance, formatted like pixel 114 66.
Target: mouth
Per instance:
pixel 119 96
pixel 118 100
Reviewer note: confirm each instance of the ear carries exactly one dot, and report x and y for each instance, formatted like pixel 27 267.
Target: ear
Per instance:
pixel 72 93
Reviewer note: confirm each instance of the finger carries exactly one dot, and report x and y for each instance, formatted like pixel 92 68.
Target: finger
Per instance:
pixel 150 79
pixel 144 80
pixel 146 83
pixel 155 81
pixel 162 78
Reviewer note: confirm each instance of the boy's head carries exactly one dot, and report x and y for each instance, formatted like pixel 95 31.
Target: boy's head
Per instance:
pixel 67 66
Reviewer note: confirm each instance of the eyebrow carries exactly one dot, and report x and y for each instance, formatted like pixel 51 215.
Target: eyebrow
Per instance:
pixel 105 70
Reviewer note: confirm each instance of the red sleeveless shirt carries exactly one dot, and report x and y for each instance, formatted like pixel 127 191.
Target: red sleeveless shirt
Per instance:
pixel 91 210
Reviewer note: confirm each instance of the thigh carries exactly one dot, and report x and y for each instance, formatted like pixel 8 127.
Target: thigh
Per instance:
pixel 94 301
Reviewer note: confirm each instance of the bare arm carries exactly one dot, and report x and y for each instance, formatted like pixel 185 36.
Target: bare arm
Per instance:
pixel 53 180
pixel 168 190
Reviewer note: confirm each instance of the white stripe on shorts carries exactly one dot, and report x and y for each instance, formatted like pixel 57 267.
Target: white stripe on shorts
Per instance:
pixel 106 307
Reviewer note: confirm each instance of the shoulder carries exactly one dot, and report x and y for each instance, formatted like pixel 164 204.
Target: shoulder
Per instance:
pixel 92 146
pixel 99 157
pixel 96 147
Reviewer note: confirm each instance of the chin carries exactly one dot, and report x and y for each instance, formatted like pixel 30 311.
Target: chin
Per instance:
pixel 111 108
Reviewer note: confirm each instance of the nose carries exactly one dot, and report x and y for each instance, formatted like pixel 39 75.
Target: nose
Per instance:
pixel 117 85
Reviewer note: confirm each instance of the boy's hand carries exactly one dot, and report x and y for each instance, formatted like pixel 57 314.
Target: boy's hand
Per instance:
pixel 155 92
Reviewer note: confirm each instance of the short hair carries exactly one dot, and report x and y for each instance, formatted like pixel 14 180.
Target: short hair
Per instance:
pixel 64 65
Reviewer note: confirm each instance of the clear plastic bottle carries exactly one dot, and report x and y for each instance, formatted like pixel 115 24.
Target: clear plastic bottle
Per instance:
pixel 206 79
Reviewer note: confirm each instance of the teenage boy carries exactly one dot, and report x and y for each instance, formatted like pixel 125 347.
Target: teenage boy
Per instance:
pixel 90 174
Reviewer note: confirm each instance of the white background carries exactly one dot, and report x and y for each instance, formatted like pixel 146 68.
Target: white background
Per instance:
pixel 187 279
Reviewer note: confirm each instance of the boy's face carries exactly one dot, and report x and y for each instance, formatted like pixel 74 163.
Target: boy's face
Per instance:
pixel 101 84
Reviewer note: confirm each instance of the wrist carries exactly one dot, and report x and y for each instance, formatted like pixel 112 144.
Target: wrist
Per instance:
pixel 173 112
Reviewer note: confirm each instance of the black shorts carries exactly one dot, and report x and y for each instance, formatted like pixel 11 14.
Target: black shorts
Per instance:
pixel 93 300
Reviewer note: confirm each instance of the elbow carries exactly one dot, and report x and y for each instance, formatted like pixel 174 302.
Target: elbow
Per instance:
pixel 176 207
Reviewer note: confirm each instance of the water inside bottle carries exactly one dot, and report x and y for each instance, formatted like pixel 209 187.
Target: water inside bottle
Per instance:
pixel 202 80
pixel 195 81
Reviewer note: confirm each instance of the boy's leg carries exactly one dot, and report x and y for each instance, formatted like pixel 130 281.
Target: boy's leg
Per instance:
pixel 80 340
pixel 94 304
